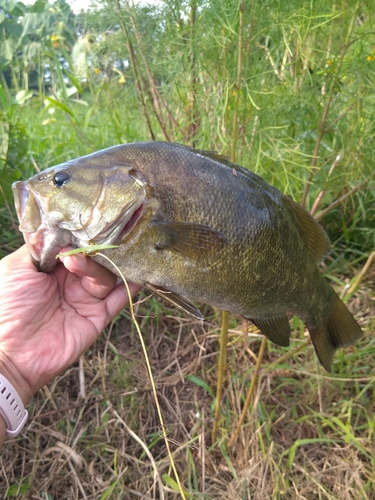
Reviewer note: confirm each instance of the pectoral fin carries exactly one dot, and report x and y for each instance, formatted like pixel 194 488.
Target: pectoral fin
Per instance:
pixel 188 238
pixel 277 329
pixel 176 300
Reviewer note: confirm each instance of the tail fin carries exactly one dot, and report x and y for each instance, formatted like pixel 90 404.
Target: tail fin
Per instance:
pixel 340 330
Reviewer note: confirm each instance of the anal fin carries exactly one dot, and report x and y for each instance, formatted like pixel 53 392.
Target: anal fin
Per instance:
pixel 176 300
pixel 276 328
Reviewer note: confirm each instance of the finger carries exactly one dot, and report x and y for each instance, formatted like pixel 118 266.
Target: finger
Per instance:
pixel 96 280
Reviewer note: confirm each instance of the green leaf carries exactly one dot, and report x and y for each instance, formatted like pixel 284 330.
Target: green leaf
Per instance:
pixel 30 23
pixel 16 490
pixel 23 96
pixel 8 5
pixel 201 383
pixel 109 490
pixel 59 105
pixel 39 6
pixel 7 49
pixel 304 442
pixel 13 152
pixel 169 481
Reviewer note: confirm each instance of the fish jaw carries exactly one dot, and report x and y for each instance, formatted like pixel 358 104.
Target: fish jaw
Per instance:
pixel 44 245
pixel 42 241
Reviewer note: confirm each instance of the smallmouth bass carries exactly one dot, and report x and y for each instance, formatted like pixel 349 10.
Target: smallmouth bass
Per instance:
pixel 191 226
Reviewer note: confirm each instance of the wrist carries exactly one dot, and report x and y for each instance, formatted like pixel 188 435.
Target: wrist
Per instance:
pixel 9 370
pixel 12 410
pixel 15 392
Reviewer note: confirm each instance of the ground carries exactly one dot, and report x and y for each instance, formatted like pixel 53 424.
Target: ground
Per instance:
pixel 95 432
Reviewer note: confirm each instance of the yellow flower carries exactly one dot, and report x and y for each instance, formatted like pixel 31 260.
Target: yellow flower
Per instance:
pixel 370 58
pixel 54 38
pixel 97 71
pixel 329 62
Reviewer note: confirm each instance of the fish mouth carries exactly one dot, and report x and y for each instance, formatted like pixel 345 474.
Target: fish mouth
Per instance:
pixel 43 242
pixel 33 238
pixel 35 242
pixel 117 232
pixel 21 198
pixel 132 221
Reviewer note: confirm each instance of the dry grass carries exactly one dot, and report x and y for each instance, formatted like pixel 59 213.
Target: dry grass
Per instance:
pixel 94 432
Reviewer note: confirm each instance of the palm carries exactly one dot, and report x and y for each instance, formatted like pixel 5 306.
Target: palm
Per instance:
pixel 56 316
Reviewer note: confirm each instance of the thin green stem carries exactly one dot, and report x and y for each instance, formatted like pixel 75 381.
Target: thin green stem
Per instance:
pixel 250 393
pixel 322 124
pixel 221 370
pixel 149 369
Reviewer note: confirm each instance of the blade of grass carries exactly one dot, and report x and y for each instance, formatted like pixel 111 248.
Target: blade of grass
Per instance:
pixel 150 375
pixel 250 393
pixel 221 369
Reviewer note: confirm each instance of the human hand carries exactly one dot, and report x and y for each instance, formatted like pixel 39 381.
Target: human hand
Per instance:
pixel 48 320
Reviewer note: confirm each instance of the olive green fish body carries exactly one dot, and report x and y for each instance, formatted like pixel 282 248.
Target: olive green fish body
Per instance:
pixel 191 226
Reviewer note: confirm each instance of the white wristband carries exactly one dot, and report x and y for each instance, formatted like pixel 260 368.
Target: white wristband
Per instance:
pixel 11 408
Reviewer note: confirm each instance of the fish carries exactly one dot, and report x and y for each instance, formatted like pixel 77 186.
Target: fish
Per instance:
pixel 192 227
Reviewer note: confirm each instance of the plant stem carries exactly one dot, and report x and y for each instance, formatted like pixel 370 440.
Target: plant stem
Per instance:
pixel 137 79
pixel 153 385
pixel 238 81
pixel 221 369
pixel 322 124
pixel 193 125
pixel 360 277
pixel 338 202
pixel 250 393
pixel 156 98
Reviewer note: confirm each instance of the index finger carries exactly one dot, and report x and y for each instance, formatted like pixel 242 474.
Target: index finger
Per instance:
pixel 95 279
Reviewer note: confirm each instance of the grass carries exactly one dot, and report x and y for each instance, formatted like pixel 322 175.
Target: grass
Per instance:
pixel 308 435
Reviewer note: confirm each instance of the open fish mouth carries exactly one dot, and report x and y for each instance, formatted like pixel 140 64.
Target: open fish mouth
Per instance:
pixel 135 217
pixel 43 242
pixel 46 243
pixel 118 230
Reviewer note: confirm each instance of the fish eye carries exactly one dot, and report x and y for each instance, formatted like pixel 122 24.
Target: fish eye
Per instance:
pixel 61 178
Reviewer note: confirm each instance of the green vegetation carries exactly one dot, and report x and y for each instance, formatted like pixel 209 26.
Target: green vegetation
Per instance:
pixel 283 88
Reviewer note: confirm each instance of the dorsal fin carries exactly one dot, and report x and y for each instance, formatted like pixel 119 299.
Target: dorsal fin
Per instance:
pixel 213 155
pixel 225 160
pixel 314 236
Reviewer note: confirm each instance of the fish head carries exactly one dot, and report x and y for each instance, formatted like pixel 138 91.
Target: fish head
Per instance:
pixel 79 203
